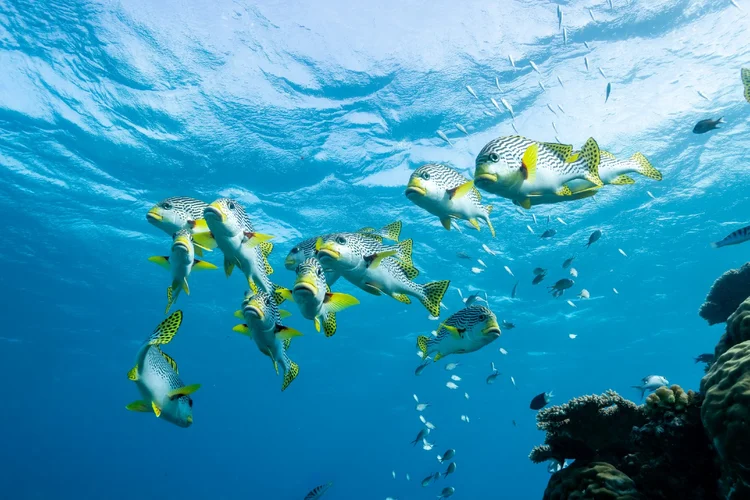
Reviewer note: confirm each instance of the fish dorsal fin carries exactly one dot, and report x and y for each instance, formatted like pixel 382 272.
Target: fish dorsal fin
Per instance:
pixel 336 302
pixel 266 248
pixel 161 260
pixel 561 150
pixel 405 249
pixel 410 271
pixel 251 284
pixel 169 360
pixel 165 332
pixel 528 162
pixel 745 73
pixel 287 344
pixel 318 243
pixel 266 264
pixel 391 231
pixel 373 236
pixel 460 191
pixel 607 154
pixel 133 373
pixel 170 299
pixel 183 391
pixel 285 332
pixel 477 194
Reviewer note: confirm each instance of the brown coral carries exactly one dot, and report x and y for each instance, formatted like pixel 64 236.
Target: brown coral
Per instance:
pixel 738 329
pixel 726 410
pixel 668 399
pixel 726 294
pixel 587 427
pixel 595 481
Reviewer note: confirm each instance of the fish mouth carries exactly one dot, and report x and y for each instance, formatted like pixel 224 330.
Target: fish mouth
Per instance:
pixel 486 177
pixel 415 190
pixel 326 252
pixel 189 420
pixel 305 284
pixel 154 216
pixel 182 242
pixel 289 263
pixel 493 330
pixel 254 312
pixel 214 211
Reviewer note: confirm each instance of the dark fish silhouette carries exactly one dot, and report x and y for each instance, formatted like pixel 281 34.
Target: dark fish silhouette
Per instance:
pixel 318 491
pixel 704 358
pixel 594 237
pixel 515 289
pixel 540 400
pixel 538 278
pixel 704 126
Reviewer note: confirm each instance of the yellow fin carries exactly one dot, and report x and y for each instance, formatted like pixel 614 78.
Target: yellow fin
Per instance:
pixel 317 324
pixel 607 154
pixel 167 329
pixel 255 239
pixel 452 329
pixel 433 294
pixel 185 286
pixel 285 293
pixel 622 180
pixel 391 231
pixel 140 406
pixel 446 222
pixel 266 264
pixel 290 375
pixel 437 357
pixel 171 361
pixel 133 373
pixel 528 162
pixel 184 391
pixel 460 191
pixel 564 191
pixel 228 266
pixel 410 271
pixel 336 302
pixel 287 344
pixel 376 258
pixel 157 410
pixel 198 250
pixel 329 324
pixel 402 298
pixel 243 329
pixel 266 248
pixel 572 158
pixel 285 332
pixel 251 284
pixel 591 156
pixel 422 344
pixel 238 314
pixel 561 150
pixel 475 224
pixel 202 265
pixel 283 314
pixel 645 168
pixel 525 203
pixel 318 244
pixel 275 365
pixel 170 299
pixel 372 288
pixel 488 221
pixel 163 261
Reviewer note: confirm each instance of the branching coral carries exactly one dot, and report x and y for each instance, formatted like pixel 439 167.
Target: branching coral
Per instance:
pixel 594 480
pixel 726 294
pixel 726 410
pixel 588 427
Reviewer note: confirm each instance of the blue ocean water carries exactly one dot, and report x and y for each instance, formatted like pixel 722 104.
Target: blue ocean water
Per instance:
pixel 313 115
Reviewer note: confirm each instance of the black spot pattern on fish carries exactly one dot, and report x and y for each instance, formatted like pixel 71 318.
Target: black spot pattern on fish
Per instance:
pixel 465 319
pixel 446 178
pixel 190 206
pixel 512 148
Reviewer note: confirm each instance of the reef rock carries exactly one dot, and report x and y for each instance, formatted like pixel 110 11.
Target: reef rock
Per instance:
pixel 595 481
pixel 726 294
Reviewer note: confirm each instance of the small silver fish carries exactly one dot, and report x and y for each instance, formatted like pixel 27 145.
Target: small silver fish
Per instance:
pixel 451 385
pixel 601 72
pixel 561 83
pixel 319 491
pixel 497 84
pixel 447 492
pixel 559 17
pixel 534 67
pixel 565 36
pixel 494 103
pixel 651 383
pixel 493 375
pixel 586 62
pixel 509 271
pixel 555 127
pixel 447 455
pixel 562 221
pixel 444 137
pixel 574 272
pixel 461 128
pixel 419 371
pixel 584 294
pixel 542 87
pixel 471 91
pixel 450 470
pixel 507 325
pixel 587 45
pixel 591 13
pixel 512 62
pixel 550 108
pixel 513 292
pixel 451 366
pixel 507 106
pixel 561 109
pixel 422 434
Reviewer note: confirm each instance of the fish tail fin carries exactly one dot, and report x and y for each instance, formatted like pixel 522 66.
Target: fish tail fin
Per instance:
pixel 329 323
pixel 432 295
pixel 716 244
pixel 641 389
pixel 422 343
pixel 171 297
pixel 645 168
pixel 167 329
pixel 290 374
pixel 488 221
pixel 391 231
pixel 589 158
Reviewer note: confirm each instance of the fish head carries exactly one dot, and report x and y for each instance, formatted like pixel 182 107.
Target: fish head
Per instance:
pixel 427 182
pixel 226 217
pixel 311 279
pixel 179 411
pixel 494 171
pixel 260 309
pixel 299 254
pixel 341 250
pixel 477 322
pixel 172 214
pixel 182 245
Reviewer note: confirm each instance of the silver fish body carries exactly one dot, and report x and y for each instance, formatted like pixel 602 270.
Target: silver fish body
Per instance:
pixel 465 331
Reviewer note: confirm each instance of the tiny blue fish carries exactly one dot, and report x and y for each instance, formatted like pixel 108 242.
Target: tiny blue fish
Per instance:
pixel 609 91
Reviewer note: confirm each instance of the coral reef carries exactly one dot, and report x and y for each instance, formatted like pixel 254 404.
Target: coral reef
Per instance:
pixel 726 410
pixel 594 480
pixel 666 399
pixel 588 427
pixel 726 294
pixel 738 330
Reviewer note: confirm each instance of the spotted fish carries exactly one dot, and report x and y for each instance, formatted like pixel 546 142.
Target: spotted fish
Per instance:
pixel 241 245
pixel 467 330
pixel 745 73
pixel 376 271
pixel 181 262
pixel 263 324
pixel 180 212
pixel 516 167
pixel 314 298
pixel 444 192
pixel 306 249
pixel 156 376
pixel 613 171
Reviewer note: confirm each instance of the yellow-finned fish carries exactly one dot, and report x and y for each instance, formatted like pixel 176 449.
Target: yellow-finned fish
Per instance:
pixel 156 376
pixel 467 330
pixel 516 167
pixel 180 212
pixel 444 192
pixel 181 262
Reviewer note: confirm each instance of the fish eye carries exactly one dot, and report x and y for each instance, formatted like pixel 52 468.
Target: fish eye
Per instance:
pixel 295 250
pixel 426 176
pixel 190 402
pixel 341 240
pixel 482 317
pixel 166 205
pixel 494 158
pixel 320 271
pixel 231 205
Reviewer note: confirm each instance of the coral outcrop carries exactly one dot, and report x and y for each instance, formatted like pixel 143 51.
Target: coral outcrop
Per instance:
pixel 594 480
pixel 726 294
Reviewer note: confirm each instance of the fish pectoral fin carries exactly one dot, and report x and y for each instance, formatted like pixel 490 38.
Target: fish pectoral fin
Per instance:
pixel 529 162
pixel 238 314
pixel 337 302
pixel 525 203
pixel 243 329
pixel 133 373
pixel 475 224
pixel 437 357
pixel 283 314
pixel 285 293
pixel 162 260
pixel 285 332
pixel 139 406
pixel 456 332
pixel 446 222
pixel 228 266
pixel 185 286
pixel 460 191
pixel 202 265
pixel 402 298
pixel 316 321
pixel 374 260
pixel 157 410
pixel 561 150
pixel 622 180
pixel 255 239
pixel 183 391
